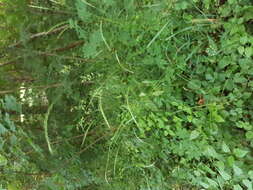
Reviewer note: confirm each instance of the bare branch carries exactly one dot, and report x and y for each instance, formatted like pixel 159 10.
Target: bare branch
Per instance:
pixel 14 61
pixel 41 53
pixel 48 10
pixel 70 46
pixel 51 53
pixel 41 34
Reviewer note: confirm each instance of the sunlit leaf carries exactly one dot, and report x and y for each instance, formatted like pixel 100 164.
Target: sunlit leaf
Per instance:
pixel 237 187
pixel 3 160
pixel 240 153
pixel 237 171
pixel 225 175
pixel 194 135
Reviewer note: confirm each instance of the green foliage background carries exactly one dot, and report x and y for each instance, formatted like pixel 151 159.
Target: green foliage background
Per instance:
pixel 155 94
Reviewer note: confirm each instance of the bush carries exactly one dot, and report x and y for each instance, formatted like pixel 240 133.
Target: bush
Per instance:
pixel 139 95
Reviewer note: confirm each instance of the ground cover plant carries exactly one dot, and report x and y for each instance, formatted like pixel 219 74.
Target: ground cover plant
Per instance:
pixel 109 94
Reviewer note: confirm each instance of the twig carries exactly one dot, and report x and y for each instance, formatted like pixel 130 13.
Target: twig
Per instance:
pixel 45 125
pixel 70 46
pixel 73 137
pixel 14 61
pixel 41 53
pixel 62 140
pixel 41 34
pixel 102 35
pixel 48 10
pixel 102 112
pixel 97 140
pixel 157 34
pixel 125 69
pixel 51 53
pixel 204 20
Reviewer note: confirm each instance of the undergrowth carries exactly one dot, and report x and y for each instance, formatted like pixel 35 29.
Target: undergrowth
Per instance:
pixel 156 95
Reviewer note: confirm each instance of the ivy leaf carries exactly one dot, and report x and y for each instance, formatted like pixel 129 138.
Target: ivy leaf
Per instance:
pixel 209 77
pixel 250 173
pixel 231 161
pixel 248 51
pixel 220 165
pixel 239 79
pixel 204 185
pixel 224 175
pixel 240 153
pixel 212 183
pixel 243 40
pixel 241 50
pixel 230 84
pixel 218 118
pixel 225 61
pixel 237 187
pixel 249 135
pixel 210 151
pixel 244 125
pixel 237 171
pixel 225 147
pixel 247 183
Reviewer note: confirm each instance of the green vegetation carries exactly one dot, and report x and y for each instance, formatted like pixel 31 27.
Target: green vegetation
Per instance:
pixel 126 94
